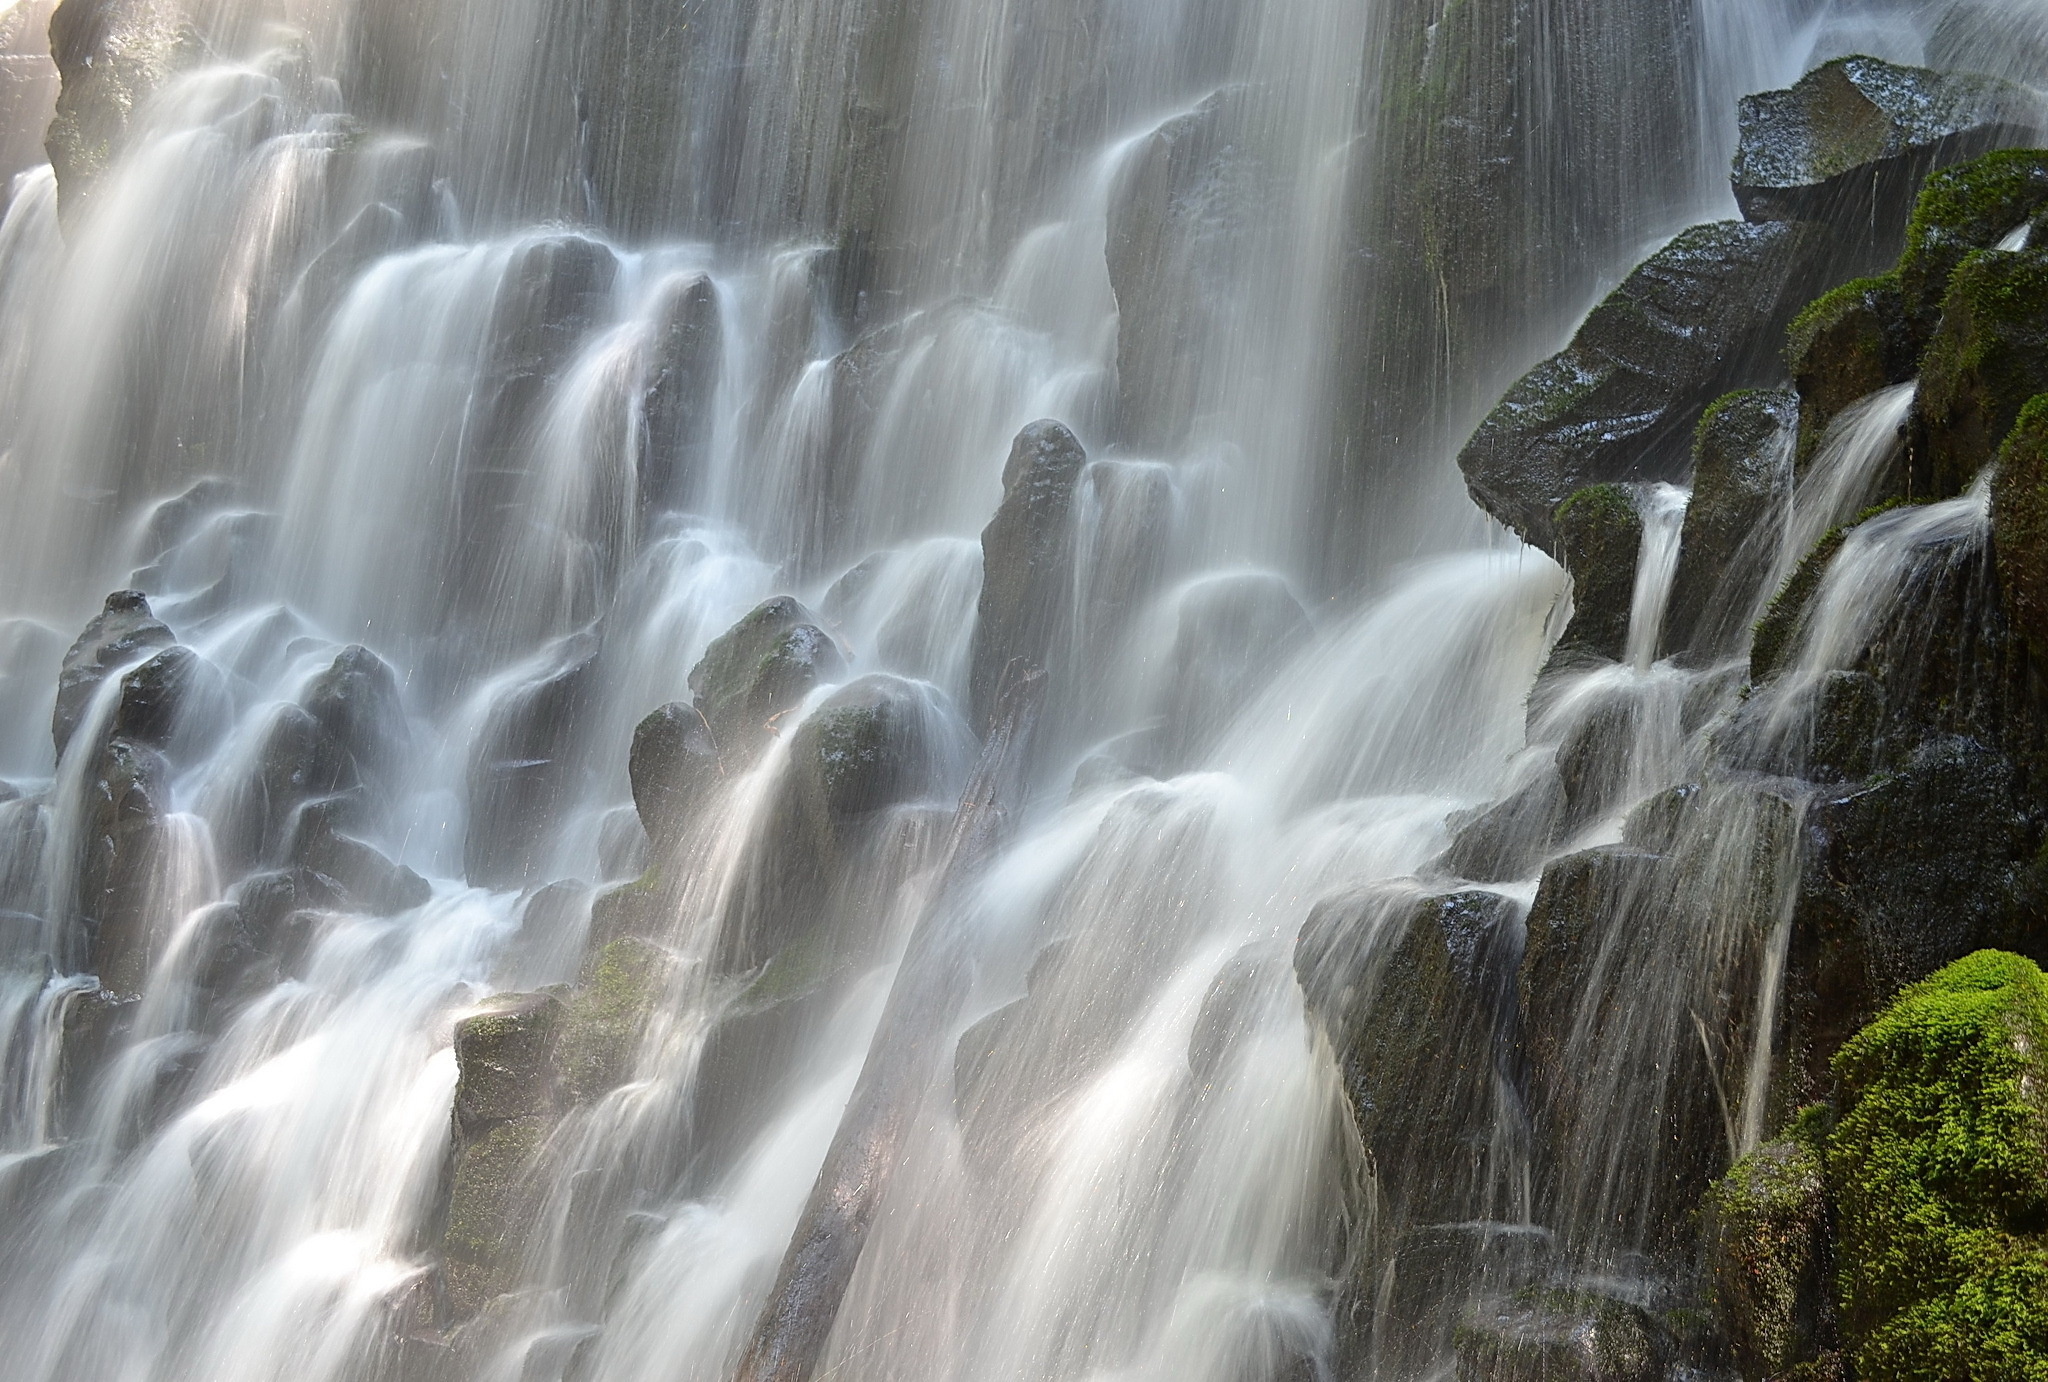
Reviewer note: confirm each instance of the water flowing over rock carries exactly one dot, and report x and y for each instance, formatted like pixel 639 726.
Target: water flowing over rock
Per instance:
pixel 1027 561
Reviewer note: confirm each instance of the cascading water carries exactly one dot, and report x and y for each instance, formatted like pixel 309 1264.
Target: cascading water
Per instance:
pixel 460 386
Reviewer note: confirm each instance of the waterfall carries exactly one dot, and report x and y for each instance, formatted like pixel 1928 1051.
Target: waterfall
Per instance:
pixel 552 494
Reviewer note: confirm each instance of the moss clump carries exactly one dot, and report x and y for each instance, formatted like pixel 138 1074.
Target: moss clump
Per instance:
pixel 487 1201
pixel 1968 207
pixel 1938 1167
pixel 607 1014
pixel 1988 357
pixel 1768 1247
pixel 2019 522
pixel 1848 344
pixel 1599 537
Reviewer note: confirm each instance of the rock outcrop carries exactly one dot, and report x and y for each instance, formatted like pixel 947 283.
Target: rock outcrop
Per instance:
pixel 1027 562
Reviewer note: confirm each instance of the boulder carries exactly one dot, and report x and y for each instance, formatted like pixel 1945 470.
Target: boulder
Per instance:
pixel 1849 343
pixel 1960 210
pixel 121 633
pixel 297 761
pixel 749 678
pixel 1741 481
pixel 1988 357
pixel 523 772
pixel 1599 536
pixel 356 701
pixel 504 1057
pixel 177 702
pixel 110 55
pixel 1027 562
pixel 1556 1336
pixel 1510 839
pixel 2019 523
pixel 1232 634
pixel 676 397
pixel 1769 1252
pixel 370 881
pixel 1701 316
pixel 130 797
pixel 1850 142
pixel 1938 1170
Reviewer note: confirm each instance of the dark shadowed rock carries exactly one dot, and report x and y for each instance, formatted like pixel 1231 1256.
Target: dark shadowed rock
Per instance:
pixel 111 54
pixel 1847 344
pixel 1960 210
pixel 1768 1253
pixel 1987 358
pixel 371 882
pixel 1599 538
pixel 1741 479
pixel 131 795
pixel 177 702
pixel 676 400
pixel 1554 1336
pixel 1509 839
pixel 119 634
pixel 1701 316
pixel 2019 523
pixel 1027 561
pixel 297 762
pixel 1850 142
pixel 523 773
pixel 356 701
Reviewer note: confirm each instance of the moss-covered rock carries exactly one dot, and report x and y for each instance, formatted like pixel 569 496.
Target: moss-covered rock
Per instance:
pixel 505 1059
pixel 607 1014
pixel 1599 537
pixel 1703 315
pixel 1847 344
pixel 1772 641
pixel 1741 474
pixel 489 1198
pixel 1987 358
pixel 1769 1252
pixel 1971 206
pixel 1938 1165
pixel 1026 561
pixel 2019 523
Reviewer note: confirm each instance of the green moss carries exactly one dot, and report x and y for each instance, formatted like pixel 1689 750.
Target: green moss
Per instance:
pixel 1767 1238
pixel 1831 307
pixel 1938 1168
pixel 1969 206
pixel 797 969
pixel 1987 359
pixel 1846 345
pixel 607 1014
pixel 2019 522
pixel 1599 537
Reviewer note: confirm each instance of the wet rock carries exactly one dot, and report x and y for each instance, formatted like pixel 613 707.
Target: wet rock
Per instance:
pixel 1234 633
pixel 504 1057
pixel 1599 537
pixel 606 1015
pixel 1176 222
pixel 1960 210
pixel 676 401
pixel 1847 344
pixel 1774 639
pixel 177 702
pixel 1410 993
pixel 110 54
pixel 1768 1252
pixel 356 701
pixel 1741 479
pixel 1850 142
pixel 621 844
pixel 490 1199
pixel 1703 315
pixel 297 762
pixel 1027 560
pixel 2019 523
pixel 1510 839
pixel 1594 758
pixel 130 797
pixel 523 771
pixel 1848 727
pixel 749 678
pixel 1551 1336
pixel 1939 1181
pixel 1987 358
pixel 119 634
pixel 371 881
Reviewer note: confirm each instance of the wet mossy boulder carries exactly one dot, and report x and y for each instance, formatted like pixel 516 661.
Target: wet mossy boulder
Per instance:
pixel 1411 992
pixel 1741 476
pixel 504 1056
pixel 1988 357
pixel 1599 538
pixel 2019 523
pixel 1938 1165
pixel 1774 639
pixel 1850 141
pixel 1026 561
pixel 1846 345
pixel 607 1013
pixel 110 54
pixel 1962 209
pixel 1769 1252
pixel 121 633
pixel 1561 1336
pixel 751 676
pixel 1701 316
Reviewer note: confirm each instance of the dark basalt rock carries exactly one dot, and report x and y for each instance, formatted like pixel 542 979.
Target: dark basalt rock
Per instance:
pixel 111 54
pixel 753 674
pixel 357 702
pixel 1849 343
pixel 1233 634
pixel 1410 992
pixel 676 401
pixel 119 634
pixel 522 773
pixel 131 794
pixel 1027 561
pixel 370 881
pixel 1851 140
pixel 177 702
pixel 1987 358
pixel 2019 523
pixel 1599 538
pixel 297 762
pixel 1510 839
pixel 1701 316
pixel 1548 1336
pixel 1741 478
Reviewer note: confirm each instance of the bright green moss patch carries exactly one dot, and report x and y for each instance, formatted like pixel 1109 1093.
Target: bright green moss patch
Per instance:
pixel 607 1014
pixel 1938 1168
pixel 1970 206
pixel 1987 359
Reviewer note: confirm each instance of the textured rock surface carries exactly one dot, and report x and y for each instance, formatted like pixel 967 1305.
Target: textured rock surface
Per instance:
pixel 1699 317
pixel 1988 356
pixel 1769 1252
pixel 2019 523
pixel 1599 537
pixel 1741 478
pixel 1027 561
pixel 111 54
pixel 120 633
